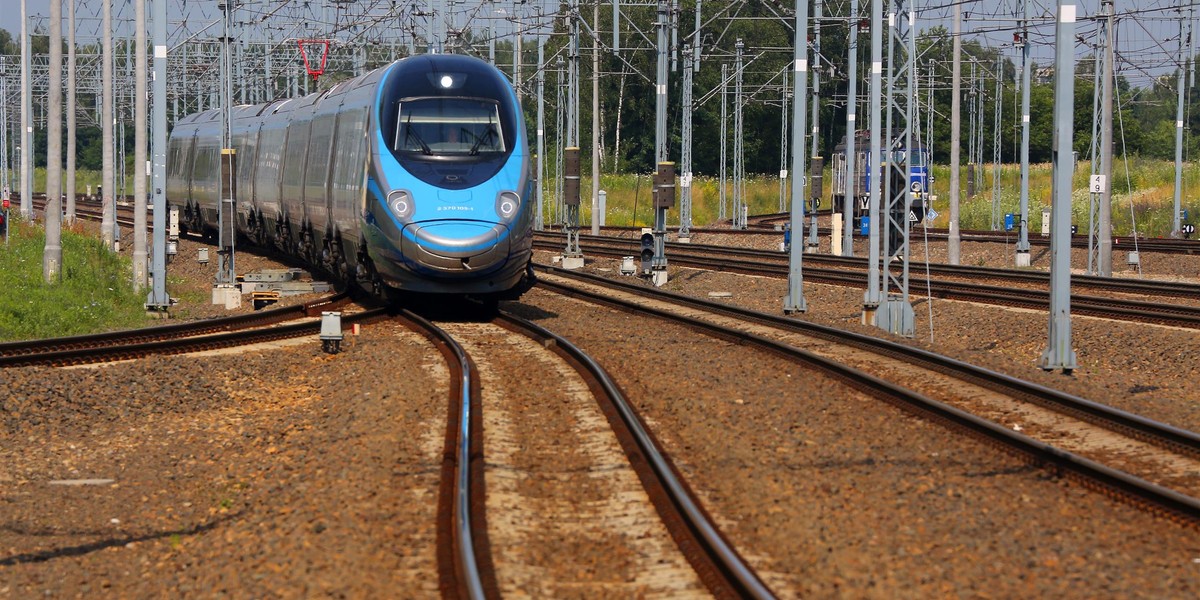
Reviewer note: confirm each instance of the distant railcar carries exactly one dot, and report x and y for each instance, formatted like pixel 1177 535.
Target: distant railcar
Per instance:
pixel 411 177
pixel 919 178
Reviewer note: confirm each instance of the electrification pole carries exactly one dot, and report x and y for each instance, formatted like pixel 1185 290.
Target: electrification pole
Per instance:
pixel 658 264
pixel 596 119
pixel 794 301
pixel 954 252
pixel 52 255
pixel 569 166
pixel 26 144
pixel 140 119
pixel 539 218
pixel 69 188
pixel 850 199
pixel 724 160
pixel 1185 31
pixel 1104 234
pixel 685 149
pixel 227 271
pixel 817 164
pixel 158 299
pixel 1059 353
pixel 1022 256
pixel 874 167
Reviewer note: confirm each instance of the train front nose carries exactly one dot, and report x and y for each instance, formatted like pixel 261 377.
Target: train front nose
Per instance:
pixel 450 248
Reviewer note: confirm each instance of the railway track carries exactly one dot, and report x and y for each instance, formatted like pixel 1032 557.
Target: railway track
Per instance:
pixel 466 565
pixel 1149 464
pixel 773 225
pixel 1146 287
pixel 723 259
pixel 209 334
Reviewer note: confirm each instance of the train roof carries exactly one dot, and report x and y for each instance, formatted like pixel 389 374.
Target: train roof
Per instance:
pixel 862 139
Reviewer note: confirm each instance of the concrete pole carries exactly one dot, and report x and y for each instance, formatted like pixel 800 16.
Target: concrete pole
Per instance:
pixel 954 252
pixel 52 255
pixel 1058 353
pixel 107 178
pixel 539 218
pixel 658 267
pixel 1104 263
pixel 158 298
pixel 596 118
pixel 26 141
pixel 794 301
pixel 69 189
pixel 852 191
pixel 140 120
pixel 871 298
pixel 1022 258
pixel 1176 218
pixel 812 245
pixel 518 55
pixel 4 129
pixel 660 104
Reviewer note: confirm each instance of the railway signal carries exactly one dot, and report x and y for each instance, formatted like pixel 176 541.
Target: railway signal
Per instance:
pixel 647 252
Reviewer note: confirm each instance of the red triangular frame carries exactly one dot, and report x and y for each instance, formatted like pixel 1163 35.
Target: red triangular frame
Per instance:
pixel 314 71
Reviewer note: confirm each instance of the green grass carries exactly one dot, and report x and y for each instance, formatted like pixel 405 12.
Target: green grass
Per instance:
pixel 95 293
pixel 1144 197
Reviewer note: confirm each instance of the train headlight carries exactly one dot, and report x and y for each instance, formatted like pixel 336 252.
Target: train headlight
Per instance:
pixel 401 203
pixel 507 205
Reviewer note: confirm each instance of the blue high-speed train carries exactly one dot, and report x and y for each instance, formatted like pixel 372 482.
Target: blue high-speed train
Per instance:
pixel 413 177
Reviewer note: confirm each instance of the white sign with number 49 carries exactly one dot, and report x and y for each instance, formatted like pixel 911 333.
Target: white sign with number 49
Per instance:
pixel 1099 184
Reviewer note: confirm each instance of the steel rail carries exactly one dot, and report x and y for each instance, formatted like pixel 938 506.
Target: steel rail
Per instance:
pixel 1161 434
pixel 1089 472
pixel 1130 310
pixel 173 331
pixel 1138 286
pixel 458 564
pixel 79 356
pixel 719 565
pixel 1122 243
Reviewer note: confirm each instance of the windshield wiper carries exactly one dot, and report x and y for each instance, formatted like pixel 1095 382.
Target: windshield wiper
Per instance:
pixel 410 132
pixel 491 131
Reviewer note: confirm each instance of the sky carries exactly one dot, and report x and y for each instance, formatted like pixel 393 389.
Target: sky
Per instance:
pixel 1147 30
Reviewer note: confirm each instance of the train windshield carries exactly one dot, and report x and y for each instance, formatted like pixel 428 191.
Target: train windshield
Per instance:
pixel 449 127
pixel 917 157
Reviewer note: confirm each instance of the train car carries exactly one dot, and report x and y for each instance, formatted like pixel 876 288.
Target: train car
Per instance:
pixel 412 177
pixel 919 178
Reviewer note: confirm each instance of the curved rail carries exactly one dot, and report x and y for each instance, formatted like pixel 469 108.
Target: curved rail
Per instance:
pixel 243 337
pixel 1161 434
pixel 1173 289
pixel 720 566
pixel 1120 243
pixel 1087 471
pixel 458 565
pixel 169 332
pixel 1129 310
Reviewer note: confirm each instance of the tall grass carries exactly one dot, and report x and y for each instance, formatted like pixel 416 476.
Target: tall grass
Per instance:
pixel 95 292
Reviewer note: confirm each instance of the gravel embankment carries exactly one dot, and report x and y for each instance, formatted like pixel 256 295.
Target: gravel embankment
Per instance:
pixel 282 471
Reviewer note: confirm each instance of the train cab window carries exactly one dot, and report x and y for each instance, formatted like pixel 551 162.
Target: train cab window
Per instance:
pixel 448 127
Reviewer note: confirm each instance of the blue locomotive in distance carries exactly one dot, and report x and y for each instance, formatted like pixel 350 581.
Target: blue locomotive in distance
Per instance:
pixel 412 177
pixel 919 178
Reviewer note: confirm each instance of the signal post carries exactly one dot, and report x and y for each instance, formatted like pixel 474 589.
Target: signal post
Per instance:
pixel 572 257
pixel 664 199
